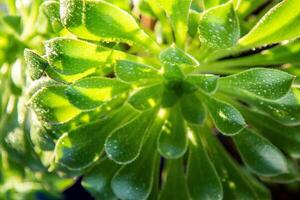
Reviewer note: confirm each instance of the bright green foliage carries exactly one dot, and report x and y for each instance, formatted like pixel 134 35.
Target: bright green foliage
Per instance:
pixel 279 24
pixel 25 146
pixel 134 98
pixel 219 27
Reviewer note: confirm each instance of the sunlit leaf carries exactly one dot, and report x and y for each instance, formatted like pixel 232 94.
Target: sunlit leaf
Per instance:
pixel 172 141
pixel 35 64
pixel 78 149
pixel 228 119
pixel 133 72
pixel 52 106
pixel 147 97
pixel 176 56
pixel 265 83
pixel 124 144
pixel 100 20
pixel 71 56
pixel 279 24
pixel 204 82
pixel 177 11
pixel 90 93
pixel 219 27
pixel 49 18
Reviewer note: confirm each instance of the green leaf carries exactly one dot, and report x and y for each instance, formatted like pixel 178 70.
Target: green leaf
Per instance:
pixel 285 110
pixel 219 27
pixel 97 181
pixel 177 11
pixel 147 97
pixel 161 15
pixel 202 178
pixel 92 92
pixel 52 106
pixel 287 140
pixel 71 56
pixel 173 74
pixel 79 148
pixel 237 183
pixel 290 177
pixel 260 155
pixel 174 186
pixel 40 138
pixel 124 144
pixel 36 65
pixel 246 7
pixel 265 83
pixel 278 24
pixel 192 109
pixel 135 180
pixel 194 18
pixel 133 72
pixel 175 55
pixel 100 20
pixel 12 24
pixel 49 19
pixel 226 118
pixel 280 54
pixel 172 141
pixel 63 78
pixel 204 82
pixel 212 3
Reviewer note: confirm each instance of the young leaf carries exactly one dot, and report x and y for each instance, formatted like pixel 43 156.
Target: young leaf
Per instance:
pixel 192 109
pixel 133 72
pixel 204 82
pixel 177 11
pixel 174 181
pixel 266 83
pixel 51 105
pixel 135 180
pixel 204 183
pixel 90 93
pixel 172 141
pixel 147 97
pixel 79 148
pixel 71 56
pixel 100 20
pixel 279 24
pixel 36 65
pixel 175 55
pixel 259 154
pixel 97 181
pixel 219 27
pixel 124 144
pixel 226 118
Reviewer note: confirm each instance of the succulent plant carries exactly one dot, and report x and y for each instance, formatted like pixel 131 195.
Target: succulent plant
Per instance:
pixel 141 99
pixel 23 174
